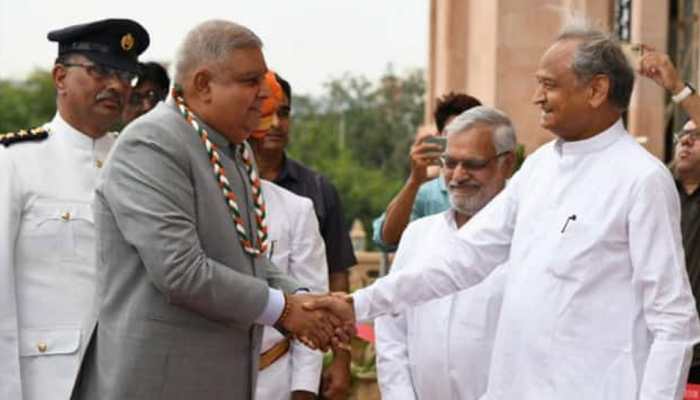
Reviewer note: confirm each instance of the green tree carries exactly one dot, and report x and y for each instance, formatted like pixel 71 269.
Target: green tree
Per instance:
pixel 28 103
pixel 358 134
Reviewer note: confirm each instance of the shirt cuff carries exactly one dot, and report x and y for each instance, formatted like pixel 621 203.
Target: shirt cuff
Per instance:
pixel 273 308
pixel 361 305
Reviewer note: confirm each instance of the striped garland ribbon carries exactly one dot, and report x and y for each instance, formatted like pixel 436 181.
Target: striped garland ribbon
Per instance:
pixel 229 195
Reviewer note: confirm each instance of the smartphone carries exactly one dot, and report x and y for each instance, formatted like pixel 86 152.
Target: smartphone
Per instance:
pixel 438 140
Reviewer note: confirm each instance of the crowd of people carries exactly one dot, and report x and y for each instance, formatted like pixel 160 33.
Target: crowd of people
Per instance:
pixel 189 257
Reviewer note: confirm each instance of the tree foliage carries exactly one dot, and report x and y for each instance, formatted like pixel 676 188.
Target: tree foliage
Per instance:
pixel 27 104
pixel 358 134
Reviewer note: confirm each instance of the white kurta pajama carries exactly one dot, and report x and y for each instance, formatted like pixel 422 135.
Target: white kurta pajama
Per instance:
pixel 298 250
pixel 47 269
pixel 440 349
pixel 599 309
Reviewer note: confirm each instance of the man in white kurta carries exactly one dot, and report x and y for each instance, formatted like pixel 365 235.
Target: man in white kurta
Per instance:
pixel 597 303
pixel 442 349
pixel 296 248
pixel 47 180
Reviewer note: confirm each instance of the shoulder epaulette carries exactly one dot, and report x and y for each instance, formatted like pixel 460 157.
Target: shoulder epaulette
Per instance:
pixel 31 135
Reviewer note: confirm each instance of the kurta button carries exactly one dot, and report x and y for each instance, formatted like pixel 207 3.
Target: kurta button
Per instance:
pixel 65 216
pixel 98 163
pixel 42 347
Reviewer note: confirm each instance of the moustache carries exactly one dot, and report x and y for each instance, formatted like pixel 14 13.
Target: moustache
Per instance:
pixel 110 95
pixel 464 185
pixel 456 186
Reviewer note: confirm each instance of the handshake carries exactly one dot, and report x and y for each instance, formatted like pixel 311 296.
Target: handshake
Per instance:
pixel 320 321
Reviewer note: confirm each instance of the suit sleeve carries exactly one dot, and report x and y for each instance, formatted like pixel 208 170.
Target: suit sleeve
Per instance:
pixel 147 186
pixel 278 279
pixel 308 266
pixel 393 372
pixel 658 262
pixel 10 212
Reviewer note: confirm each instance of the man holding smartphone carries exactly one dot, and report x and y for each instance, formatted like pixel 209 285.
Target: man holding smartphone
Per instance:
pixel 422 194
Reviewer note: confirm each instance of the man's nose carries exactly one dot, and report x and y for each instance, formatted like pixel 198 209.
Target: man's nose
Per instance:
pixel 461 173
pixel 275 120
pixel 538 95
pixel 114 83
pixel 264 91
pixel 687 140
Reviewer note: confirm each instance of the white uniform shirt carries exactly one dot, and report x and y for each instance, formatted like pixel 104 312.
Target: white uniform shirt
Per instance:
pixel 47 252
pixel 297 249
pixel 440 349
pixel 596 308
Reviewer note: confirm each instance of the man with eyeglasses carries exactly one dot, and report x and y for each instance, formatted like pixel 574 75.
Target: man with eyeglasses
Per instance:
pixel 442 349
pixel 658 67
pixel 47 251
pixel 152 87
pixel 423 194
pixel 686 170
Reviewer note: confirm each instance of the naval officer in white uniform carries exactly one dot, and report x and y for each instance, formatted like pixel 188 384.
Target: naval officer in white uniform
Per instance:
pixel 48 176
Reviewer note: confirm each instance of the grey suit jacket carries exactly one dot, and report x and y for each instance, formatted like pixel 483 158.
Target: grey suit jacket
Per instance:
pixel 177 295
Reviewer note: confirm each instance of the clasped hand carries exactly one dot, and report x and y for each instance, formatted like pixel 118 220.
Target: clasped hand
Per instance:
pixel 321 321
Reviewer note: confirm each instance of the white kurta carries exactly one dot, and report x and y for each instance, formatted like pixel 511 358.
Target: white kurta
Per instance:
pixel 599 309
pixel 440 349
pixel 298 250
pixel 47 267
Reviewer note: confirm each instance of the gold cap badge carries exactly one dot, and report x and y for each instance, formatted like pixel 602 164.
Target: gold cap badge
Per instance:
pixel 127 42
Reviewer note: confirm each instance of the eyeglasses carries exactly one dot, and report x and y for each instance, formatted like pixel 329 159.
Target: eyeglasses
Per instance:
pixel 691 135
pixel 151 96
pixel 100 71
pixel 469 164
pixel 284 111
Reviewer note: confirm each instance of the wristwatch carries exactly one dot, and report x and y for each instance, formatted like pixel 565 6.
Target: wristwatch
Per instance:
pixel 683 94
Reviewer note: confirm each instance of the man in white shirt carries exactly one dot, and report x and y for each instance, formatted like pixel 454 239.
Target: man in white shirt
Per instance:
pixel 597 303
pixel 47 252
pixel 442 349
pixel 289 369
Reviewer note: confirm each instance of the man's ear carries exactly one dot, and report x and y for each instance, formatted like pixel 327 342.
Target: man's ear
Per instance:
pixel 201 84
pixel 598 90
pixel 509 160
pixel 58 73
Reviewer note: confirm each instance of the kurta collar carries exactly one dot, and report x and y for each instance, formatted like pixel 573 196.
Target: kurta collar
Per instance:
pixel 593 144
pixel 449 217
pixel 75 137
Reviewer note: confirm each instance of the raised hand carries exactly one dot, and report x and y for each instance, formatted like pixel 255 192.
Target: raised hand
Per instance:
pixel 423 155
pixel 658 67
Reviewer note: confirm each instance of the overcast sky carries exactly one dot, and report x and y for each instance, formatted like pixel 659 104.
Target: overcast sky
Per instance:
pixel 307 41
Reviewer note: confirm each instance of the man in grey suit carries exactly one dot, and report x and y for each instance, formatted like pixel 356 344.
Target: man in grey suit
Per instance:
pixel 184 288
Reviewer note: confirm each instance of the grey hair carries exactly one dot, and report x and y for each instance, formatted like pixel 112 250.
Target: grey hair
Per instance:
pixel 503 135
pixel 211 42
pixel 600 54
